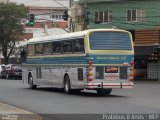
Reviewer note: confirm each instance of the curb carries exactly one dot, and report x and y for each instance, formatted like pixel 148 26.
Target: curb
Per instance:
pixel 9 112
pixel 8 109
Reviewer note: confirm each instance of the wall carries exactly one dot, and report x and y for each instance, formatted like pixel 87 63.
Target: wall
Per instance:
pixel 147 37
pixel 119 10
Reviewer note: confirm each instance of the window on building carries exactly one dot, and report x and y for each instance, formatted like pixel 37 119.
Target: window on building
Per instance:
pixel 135 15
pixel 100 17
pixel 56 16
pixel 31 49
pixel 103 17
pixel 108 16
pixel 60 16
pixel 52 16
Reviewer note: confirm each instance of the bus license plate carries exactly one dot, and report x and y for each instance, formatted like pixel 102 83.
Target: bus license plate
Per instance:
pixel 111 77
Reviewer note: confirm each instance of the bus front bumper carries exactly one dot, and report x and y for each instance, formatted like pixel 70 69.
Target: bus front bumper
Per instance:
pixel 108 85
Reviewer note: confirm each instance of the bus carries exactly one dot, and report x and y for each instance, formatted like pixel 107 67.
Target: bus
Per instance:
pixel 95 59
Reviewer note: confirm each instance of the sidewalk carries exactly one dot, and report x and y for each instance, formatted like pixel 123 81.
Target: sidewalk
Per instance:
pixel 8 112
pixel 8 109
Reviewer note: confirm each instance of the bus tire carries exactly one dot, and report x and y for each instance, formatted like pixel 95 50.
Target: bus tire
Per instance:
pixel 30 82
pixel 67 85
pixel 104 92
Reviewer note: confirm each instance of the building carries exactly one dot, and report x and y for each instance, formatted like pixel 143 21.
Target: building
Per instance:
pixel 4 1
pixel 48 18
pixel 140 17
pixel 48 21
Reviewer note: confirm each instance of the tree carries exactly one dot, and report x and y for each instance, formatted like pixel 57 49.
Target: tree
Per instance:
pixel 11 28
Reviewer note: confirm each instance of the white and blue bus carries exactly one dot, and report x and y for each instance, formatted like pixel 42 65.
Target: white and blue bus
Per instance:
pixel 96 59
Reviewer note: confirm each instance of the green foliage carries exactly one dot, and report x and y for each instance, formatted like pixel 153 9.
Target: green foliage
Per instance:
pixel 10 26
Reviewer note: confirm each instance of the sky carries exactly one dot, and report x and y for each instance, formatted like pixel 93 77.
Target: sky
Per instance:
pixel 42 3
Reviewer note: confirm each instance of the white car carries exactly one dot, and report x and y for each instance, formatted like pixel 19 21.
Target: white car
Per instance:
pixel 1 69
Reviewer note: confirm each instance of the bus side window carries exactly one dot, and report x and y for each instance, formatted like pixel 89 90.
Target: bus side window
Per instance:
pixel 47 48
pixel 79 45
pixel 67 46
pixel 82 46
pixel 31 49
pixel 57 48
pixel 39 49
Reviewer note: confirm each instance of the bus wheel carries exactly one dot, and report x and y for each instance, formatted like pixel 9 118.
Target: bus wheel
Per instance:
pixel 30 82
pixel 67 85
pixel 104 91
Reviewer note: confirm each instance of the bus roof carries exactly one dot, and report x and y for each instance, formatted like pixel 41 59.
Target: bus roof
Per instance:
pixel 79 34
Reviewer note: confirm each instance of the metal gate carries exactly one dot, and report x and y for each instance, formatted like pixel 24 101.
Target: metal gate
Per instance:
pixel 152 70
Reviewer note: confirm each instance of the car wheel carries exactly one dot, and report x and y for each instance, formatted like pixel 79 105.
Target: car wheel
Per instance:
pixel 30 82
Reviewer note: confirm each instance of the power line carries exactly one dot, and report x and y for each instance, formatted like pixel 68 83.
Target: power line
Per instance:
pixel 60 4
pixel 56 24
pixel 31 1
pixel 49 13
pixel 43 1
pixel 53 12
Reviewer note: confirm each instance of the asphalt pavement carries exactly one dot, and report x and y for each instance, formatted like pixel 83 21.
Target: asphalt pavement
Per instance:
pixel 143 98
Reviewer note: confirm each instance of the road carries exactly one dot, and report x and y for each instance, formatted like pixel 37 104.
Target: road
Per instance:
pixel 143 98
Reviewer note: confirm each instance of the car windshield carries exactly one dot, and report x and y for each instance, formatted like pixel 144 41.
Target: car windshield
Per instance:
pixel 16 67
pixel 2 67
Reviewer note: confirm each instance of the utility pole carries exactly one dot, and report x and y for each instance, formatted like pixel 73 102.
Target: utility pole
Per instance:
pixel 85 14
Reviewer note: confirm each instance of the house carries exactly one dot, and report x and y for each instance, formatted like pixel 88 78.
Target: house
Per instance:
pixel 4 1
pixel 140 17
pixel 48 18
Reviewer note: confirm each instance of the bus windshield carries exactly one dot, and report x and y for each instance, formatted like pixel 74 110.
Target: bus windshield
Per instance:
pixel 110 41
